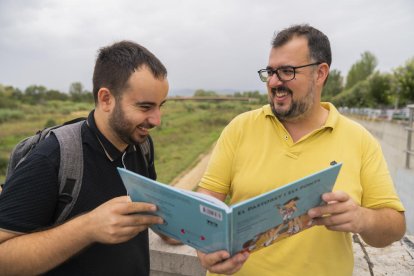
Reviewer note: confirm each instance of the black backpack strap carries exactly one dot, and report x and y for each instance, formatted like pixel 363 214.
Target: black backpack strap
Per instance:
pixel 147 150
pixel 71 167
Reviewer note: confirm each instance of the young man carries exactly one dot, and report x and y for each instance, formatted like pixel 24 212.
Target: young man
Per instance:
pixel 296 135
pixel 105 233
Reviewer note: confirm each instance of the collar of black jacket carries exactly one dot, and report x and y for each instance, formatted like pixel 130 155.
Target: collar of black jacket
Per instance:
pixel 110 150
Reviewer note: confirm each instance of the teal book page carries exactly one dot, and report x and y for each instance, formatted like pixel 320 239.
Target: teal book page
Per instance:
pixel 198 220
pixel 263 220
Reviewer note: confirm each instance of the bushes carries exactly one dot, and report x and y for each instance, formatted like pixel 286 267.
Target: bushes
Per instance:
pixel 10 114
pixel 7 102
pixel 188 129
pixel 50 123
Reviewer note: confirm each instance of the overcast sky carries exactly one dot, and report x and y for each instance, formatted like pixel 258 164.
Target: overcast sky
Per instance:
pixel 214 44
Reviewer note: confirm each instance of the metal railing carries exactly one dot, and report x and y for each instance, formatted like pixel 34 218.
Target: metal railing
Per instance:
pixel 410 129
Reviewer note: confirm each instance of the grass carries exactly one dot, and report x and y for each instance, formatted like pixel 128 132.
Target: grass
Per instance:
pixel 10 114
pixel 187 130
pixel 34 118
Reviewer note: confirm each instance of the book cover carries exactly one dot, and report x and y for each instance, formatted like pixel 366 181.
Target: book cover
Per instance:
pixel 208 224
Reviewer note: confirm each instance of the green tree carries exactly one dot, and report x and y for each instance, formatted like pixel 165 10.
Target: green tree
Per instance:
pixel 76 91
pixel 56 95
pixel 6 97
pixel 333 86
pixel 87 96
pixel 361 70
pixel 35 94
pixel 356 96
pixel 17 94
pixel 379 86
pixel 373 92
pixel 79 94
pixel 403 84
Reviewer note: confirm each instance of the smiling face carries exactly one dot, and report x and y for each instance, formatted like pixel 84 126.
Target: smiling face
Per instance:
pixel 137 110
pixel 293 100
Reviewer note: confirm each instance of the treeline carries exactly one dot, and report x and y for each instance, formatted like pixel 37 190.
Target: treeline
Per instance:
pixel 11 97
pixel 261 98
pixel 365 86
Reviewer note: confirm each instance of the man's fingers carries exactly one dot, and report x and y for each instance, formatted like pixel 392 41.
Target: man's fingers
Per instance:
pixel 120 199
pixel 337 203
pixel 338 196
pixel 219 262
pixel 139 207
pixel 213 258
pixel 231 265
pixel 137 219
pixel 327 210
pixel 129 207
pixel 340 219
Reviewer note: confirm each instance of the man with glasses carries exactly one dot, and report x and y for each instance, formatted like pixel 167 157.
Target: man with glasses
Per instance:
pixel 291 137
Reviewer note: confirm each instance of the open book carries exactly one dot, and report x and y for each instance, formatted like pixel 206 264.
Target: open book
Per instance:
pixel 209 225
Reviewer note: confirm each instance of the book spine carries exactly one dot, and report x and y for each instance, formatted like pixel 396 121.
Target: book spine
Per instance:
pixel 230 235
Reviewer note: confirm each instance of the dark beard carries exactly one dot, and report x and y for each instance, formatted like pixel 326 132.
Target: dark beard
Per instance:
pixel 297 109
pixel 120 126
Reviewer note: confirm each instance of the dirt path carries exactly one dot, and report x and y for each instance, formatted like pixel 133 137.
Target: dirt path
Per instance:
pixel 189 179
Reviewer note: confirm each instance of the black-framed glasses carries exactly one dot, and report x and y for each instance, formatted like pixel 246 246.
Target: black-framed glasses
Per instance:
pixel 284 73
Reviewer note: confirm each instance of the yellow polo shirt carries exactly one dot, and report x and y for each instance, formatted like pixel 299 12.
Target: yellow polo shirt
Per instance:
pixel 255 151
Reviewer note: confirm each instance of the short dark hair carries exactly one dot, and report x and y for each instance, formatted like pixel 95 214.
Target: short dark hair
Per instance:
pixel 116 63
pixel 318 42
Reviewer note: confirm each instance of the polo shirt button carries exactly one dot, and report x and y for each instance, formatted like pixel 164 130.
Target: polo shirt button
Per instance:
pixel 286 137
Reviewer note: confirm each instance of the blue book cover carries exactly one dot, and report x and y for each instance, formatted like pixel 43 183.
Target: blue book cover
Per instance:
pixel 208 224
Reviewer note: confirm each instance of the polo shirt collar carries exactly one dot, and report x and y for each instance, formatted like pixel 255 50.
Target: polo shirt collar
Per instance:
pixel 268 111
pixel 111 151
pixel 331 121
pixel 333 115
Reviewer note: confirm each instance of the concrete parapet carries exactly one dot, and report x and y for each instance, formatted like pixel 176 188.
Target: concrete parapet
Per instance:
pixel 396 259
pixel 173 260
